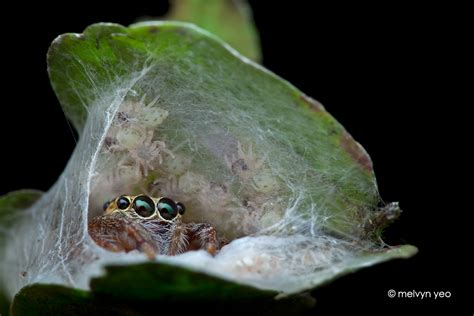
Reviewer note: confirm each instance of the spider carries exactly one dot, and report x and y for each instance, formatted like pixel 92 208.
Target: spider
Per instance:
pixel 142 150
pixel 150 225
pixel 133 112
pixel 251 169
pixel 245 163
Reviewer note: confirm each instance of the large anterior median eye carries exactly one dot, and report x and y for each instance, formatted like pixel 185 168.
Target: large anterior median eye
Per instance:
pixel 144 206
pixel 167 208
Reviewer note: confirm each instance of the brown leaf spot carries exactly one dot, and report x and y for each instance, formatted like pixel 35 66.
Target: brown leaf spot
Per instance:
pixel 356 151
pixel 313 104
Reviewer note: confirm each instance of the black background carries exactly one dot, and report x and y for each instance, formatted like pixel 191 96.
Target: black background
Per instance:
pixel 377 69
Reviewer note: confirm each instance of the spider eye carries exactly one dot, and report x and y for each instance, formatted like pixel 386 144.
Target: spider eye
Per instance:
pixel 123 202
pixel 144 206
pixel 106 205
pixel 181 208
pixel 167 208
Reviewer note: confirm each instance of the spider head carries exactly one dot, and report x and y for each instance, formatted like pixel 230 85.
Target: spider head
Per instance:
pixel 145 207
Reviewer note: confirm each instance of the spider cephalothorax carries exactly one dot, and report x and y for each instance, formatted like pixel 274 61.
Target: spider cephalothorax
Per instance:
pixel 150 225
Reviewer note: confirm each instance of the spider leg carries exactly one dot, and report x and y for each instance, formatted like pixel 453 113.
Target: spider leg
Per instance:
pixel 178 241
pixel 152 103
pixel 160 146
pixel 157 152
pixel 205 235
pixel 148 137
pixel 147 166
pixel 118 234
pixel 138 242
pixel 106 242
pixel 117 172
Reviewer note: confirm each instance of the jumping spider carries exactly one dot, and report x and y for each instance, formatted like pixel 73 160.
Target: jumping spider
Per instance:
pixel 150 225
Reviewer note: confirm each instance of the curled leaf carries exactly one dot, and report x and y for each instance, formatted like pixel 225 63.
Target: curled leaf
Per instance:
pixel 230 20
pixel 166 109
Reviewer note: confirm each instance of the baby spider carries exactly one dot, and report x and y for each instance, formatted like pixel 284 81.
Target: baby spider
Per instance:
pixel 141 150
pixel 150 225
pixel 251 170
pixel 245 163
pixel 137 112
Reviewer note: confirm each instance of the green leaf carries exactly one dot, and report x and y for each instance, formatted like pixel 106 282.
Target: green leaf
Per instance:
pixel 12 205
pixel 83 67
pixel 230 20
pixel 371 258
pixel 45 299
pixel 86 67
pixel 147 288
pixel 160 281
pixel 139 289
pixel 17 201
pixel 4 304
